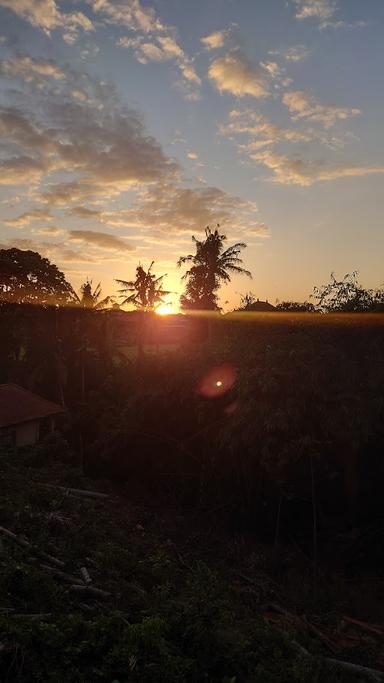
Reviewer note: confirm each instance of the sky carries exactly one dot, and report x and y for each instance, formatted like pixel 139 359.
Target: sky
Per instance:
pixel 127 126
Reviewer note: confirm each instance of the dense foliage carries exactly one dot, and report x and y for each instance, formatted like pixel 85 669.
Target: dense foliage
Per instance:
pixel 27 277
pixel 181 604
pixel 145 292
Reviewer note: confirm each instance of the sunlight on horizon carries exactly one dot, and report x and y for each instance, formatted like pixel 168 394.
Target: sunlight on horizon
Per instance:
pixel 167 309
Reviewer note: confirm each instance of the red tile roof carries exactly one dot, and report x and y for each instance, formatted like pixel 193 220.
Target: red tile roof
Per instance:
pixel 20 405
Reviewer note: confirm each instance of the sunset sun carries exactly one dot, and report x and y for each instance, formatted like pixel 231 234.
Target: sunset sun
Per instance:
pixel 166 309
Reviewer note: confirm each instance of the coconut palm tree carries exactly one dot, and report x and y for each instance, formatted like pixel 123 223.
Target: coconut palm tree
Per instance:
pixel 90 299
pixel 211 266
pixel 145 292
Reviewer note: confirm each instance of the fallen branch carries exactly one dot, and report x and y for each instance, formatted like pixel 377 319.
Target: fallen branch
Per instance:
pixel 324 639
pixel 81 493
pixel 372 675
pixel 30 547
pixel 32 616
pixel 50 558
pixel 370 628
pixel 67 578
pixel 89 590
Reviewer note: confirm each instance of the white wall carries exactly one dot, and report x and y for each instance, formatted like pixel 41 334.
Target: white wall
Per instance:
pixel 27 434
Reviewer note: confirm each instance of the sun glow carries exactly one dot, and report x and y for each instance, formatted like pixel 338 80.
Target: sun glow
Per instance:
pixel 166 309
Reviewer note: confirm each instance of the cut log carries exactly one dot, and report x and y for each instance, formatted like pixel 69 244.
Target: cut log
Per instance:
pixel 85 574
pixel 30 547
pixel 50 558
pixel 32 616
pixel 81 493
pixel 14 537
pixel 67 578
pixel 90 591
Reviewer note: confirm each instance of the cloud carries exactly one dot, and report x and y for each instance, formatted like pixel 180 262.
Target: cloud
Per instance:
pixel 215 40
pixel 296 53
pixel 83 212
pixel 151 40
pixel 21 170
pixel 56 251
pixel 303 106
pixel 289 171
pixel 100 239
pixel 85 152
pixel 129 13
pixel 164 48
pixel 168 208
pixel 259 132
pixel 233 73
pixel 45 15
pixel 319 9
pixel 101 143
pixel 49 230
pixel 272 68
pixel 27 217
pixel 323 11
pixel 30 69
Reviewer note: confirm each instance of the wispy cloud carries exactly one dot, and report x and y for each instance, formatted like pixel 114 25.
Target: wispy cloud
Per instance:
pixel 150 39
pixel 100 239
pixel 165 209
pixel 129 13
pixel 297 53
pixel 319 9
pixel 57 251
pixel 323 11
pixel 30 69
pixel 103 144
pixel 257 131
pixel 46 15
pixel 296 171
pixel 304 106
pixel 27 217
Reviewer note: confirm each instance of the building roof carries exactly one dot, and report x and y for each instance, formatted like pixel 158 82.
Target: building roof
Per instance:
pixel 258 307
pixel 262 306
pixel 19 405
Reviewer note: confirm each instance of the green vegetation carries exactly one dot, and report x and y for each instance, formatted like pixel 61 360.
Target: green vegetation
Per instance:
pixel 177 609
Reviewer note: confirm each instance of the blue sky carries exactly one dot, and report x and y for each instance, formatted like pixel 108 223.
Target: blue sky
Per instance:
pixel 128 126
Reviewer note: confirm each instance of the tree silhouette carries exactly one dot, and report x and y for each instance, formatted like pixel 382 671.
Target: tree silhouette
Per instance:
pixel 90 299
pixel 28 278
pixel 145 292
pixel 295 307
pixel 211 265
pixel 345 295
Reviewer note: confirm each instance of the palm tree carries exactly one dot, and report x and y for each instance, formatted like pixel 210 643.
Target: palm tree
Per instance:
pixel 90 299
pixel 145 292
pixel 211 265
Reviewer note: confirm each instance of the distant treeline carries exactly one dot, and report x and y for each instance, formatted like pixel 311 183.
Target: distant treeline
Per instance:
pixel 27 277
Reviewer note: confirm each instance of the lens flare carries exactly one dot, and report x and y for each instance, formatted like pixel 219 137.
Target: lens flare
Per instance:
pixel 217 381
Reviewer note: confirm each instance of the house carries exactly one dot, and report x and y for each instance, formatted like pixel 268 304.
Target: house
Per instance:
pixel 25 416
pixel 257 306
